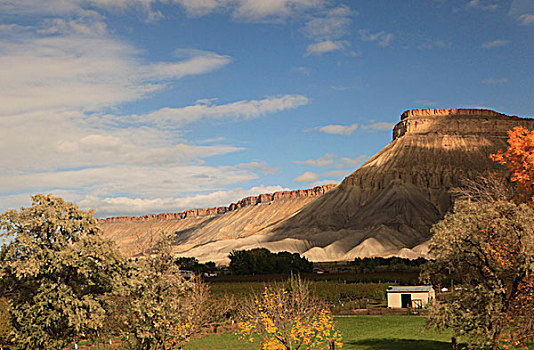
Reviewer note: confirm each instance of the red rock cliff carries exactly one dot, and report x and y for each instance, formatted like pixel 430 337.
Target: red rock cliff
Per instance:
pixel 262 198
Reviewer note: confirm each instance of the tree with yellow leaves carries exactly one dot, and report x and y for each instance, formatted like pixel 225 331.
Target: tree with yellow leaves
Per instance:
pixel 288 318
pixel 519 158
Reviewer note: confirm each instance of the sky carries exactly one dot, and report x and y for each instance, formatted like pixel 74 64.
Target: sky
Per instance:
pixel 132 107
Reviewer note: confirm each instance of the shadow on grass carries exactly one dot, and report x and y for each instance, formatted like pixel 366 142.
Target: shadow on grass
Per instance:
pixel 400 344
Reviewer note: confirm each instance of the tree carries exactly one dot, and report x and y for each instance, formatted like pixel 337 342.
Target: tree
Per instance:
pixel 519 158
pixel 55 271
pixel 261 261
pixel 288 318
pixel 489 248
pixel 5 323
pixel 162 310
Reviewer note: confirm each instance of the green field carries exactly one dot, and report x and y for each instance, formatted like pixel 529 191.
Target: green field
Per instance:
pixel 359 332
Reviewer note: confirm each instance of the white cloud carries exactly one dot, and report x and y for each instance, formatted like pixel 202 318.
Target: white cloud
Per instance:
pixel 301 70
pixel 308 176
pixel 482 5
pixel 378 126
pixel 83 71
pixel 495 81
pixel 61 76
pixel 338 129
pixel 426 103
pixel 323 47
pixel 261 166
pixel 494 43
pixel 251 10
pixel 332 25
pixel 200 7
pixel 169 117
pixel 352 162
pixel 433 44
pixel 335 173
pixel 326 160
pixel 384 39
pixel 526 19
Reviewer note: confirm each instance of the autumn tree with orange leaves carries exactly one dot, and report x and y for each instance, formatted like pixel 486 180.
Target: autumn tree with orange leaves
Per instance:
pixel 487 244
pixel 519 159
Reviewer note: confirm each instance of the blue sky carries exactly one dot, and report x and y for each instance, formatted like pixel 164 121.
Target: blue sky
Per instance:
pixel 145 106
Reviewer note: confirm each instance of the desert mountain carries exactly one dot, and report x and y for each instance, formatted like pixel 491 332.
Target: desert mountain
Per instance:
pixel 384 208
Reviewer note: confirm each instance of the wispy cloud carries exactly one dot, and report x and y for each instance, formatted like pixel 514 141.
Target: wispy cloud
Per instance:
pixel 323 47
pixel 484 5
pixel 261 166
pixel 494 43
pixel 435 44
pixel 334 24
pixel 526 19
pixel 61 77
pixel 333 160
pixel 336 129
pixel 495 81
pixel 352 162
pixel 308 176
pixel 326 160
pixel 378 126
pixel 175 117
pixel 426 103
pixel 384 39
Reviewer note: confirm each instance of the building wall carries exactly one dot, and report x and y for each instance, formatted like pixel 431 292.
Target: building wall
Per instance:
pixel 394 299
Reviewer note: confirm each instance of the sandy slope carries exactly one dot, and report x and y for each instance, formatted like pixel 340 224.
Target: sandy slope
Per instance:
pixel 384 208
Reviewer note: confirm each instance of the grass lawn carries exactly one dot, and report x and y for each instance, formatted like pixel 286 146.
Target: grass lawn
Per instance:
pixel 359 332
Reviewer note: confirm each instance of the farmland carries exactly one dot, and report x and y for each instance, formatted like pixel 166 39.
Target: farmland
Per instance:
pixel 359 332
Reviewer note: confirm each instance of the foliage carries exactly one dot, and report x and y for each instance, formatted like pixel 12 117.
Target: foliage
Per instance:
pixel 489 247
pixel 395 264
pixel 162 310
pixel 5 322
pixel 262 261
pixel 288 318
pixel 519 158
pixel 192 264
pixel 55 271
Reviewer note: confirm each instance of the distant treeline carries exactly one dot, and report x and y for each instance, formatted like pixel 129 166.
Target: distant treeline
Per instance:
pixel 192 264
pixel 260 261
pixel 393 264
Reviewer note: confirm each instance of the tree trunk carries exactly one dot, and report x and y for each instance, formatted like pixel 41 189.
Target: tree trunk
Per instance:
pixel 332 344
pixel 454 343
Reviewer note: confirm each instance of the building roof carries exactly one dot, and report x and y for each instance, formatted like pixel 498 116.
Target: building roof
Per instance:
pixel 408 289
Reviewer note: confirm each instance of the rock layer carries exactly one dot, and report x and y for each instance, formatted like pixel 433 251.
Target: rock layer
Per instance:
pixel 384 208
pixel 254 200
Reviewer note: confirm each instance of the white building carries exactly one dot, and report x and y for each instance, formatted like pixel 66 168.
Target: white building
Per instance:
pixel 409 296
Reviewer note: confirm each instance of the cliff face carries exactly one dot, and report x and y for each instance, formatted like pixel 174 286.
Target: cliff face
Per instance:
pixel 384 208
pixel 197 227
pixel 388 205
pixel 247 201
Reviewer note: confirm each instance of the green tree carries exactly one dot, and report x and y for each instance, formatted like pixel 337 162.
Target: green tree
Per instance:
pixel 261 261
pixel 489 248
pixel 162 310
pixel 55 271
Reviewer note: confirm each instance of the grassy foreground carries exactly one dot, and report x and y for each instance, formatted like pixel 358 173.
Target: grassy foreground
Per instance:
pixel 359 332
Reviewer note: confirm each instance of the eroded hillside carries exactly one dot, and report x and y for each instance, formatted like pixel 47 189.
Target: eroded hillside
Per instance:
pixel 384 208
